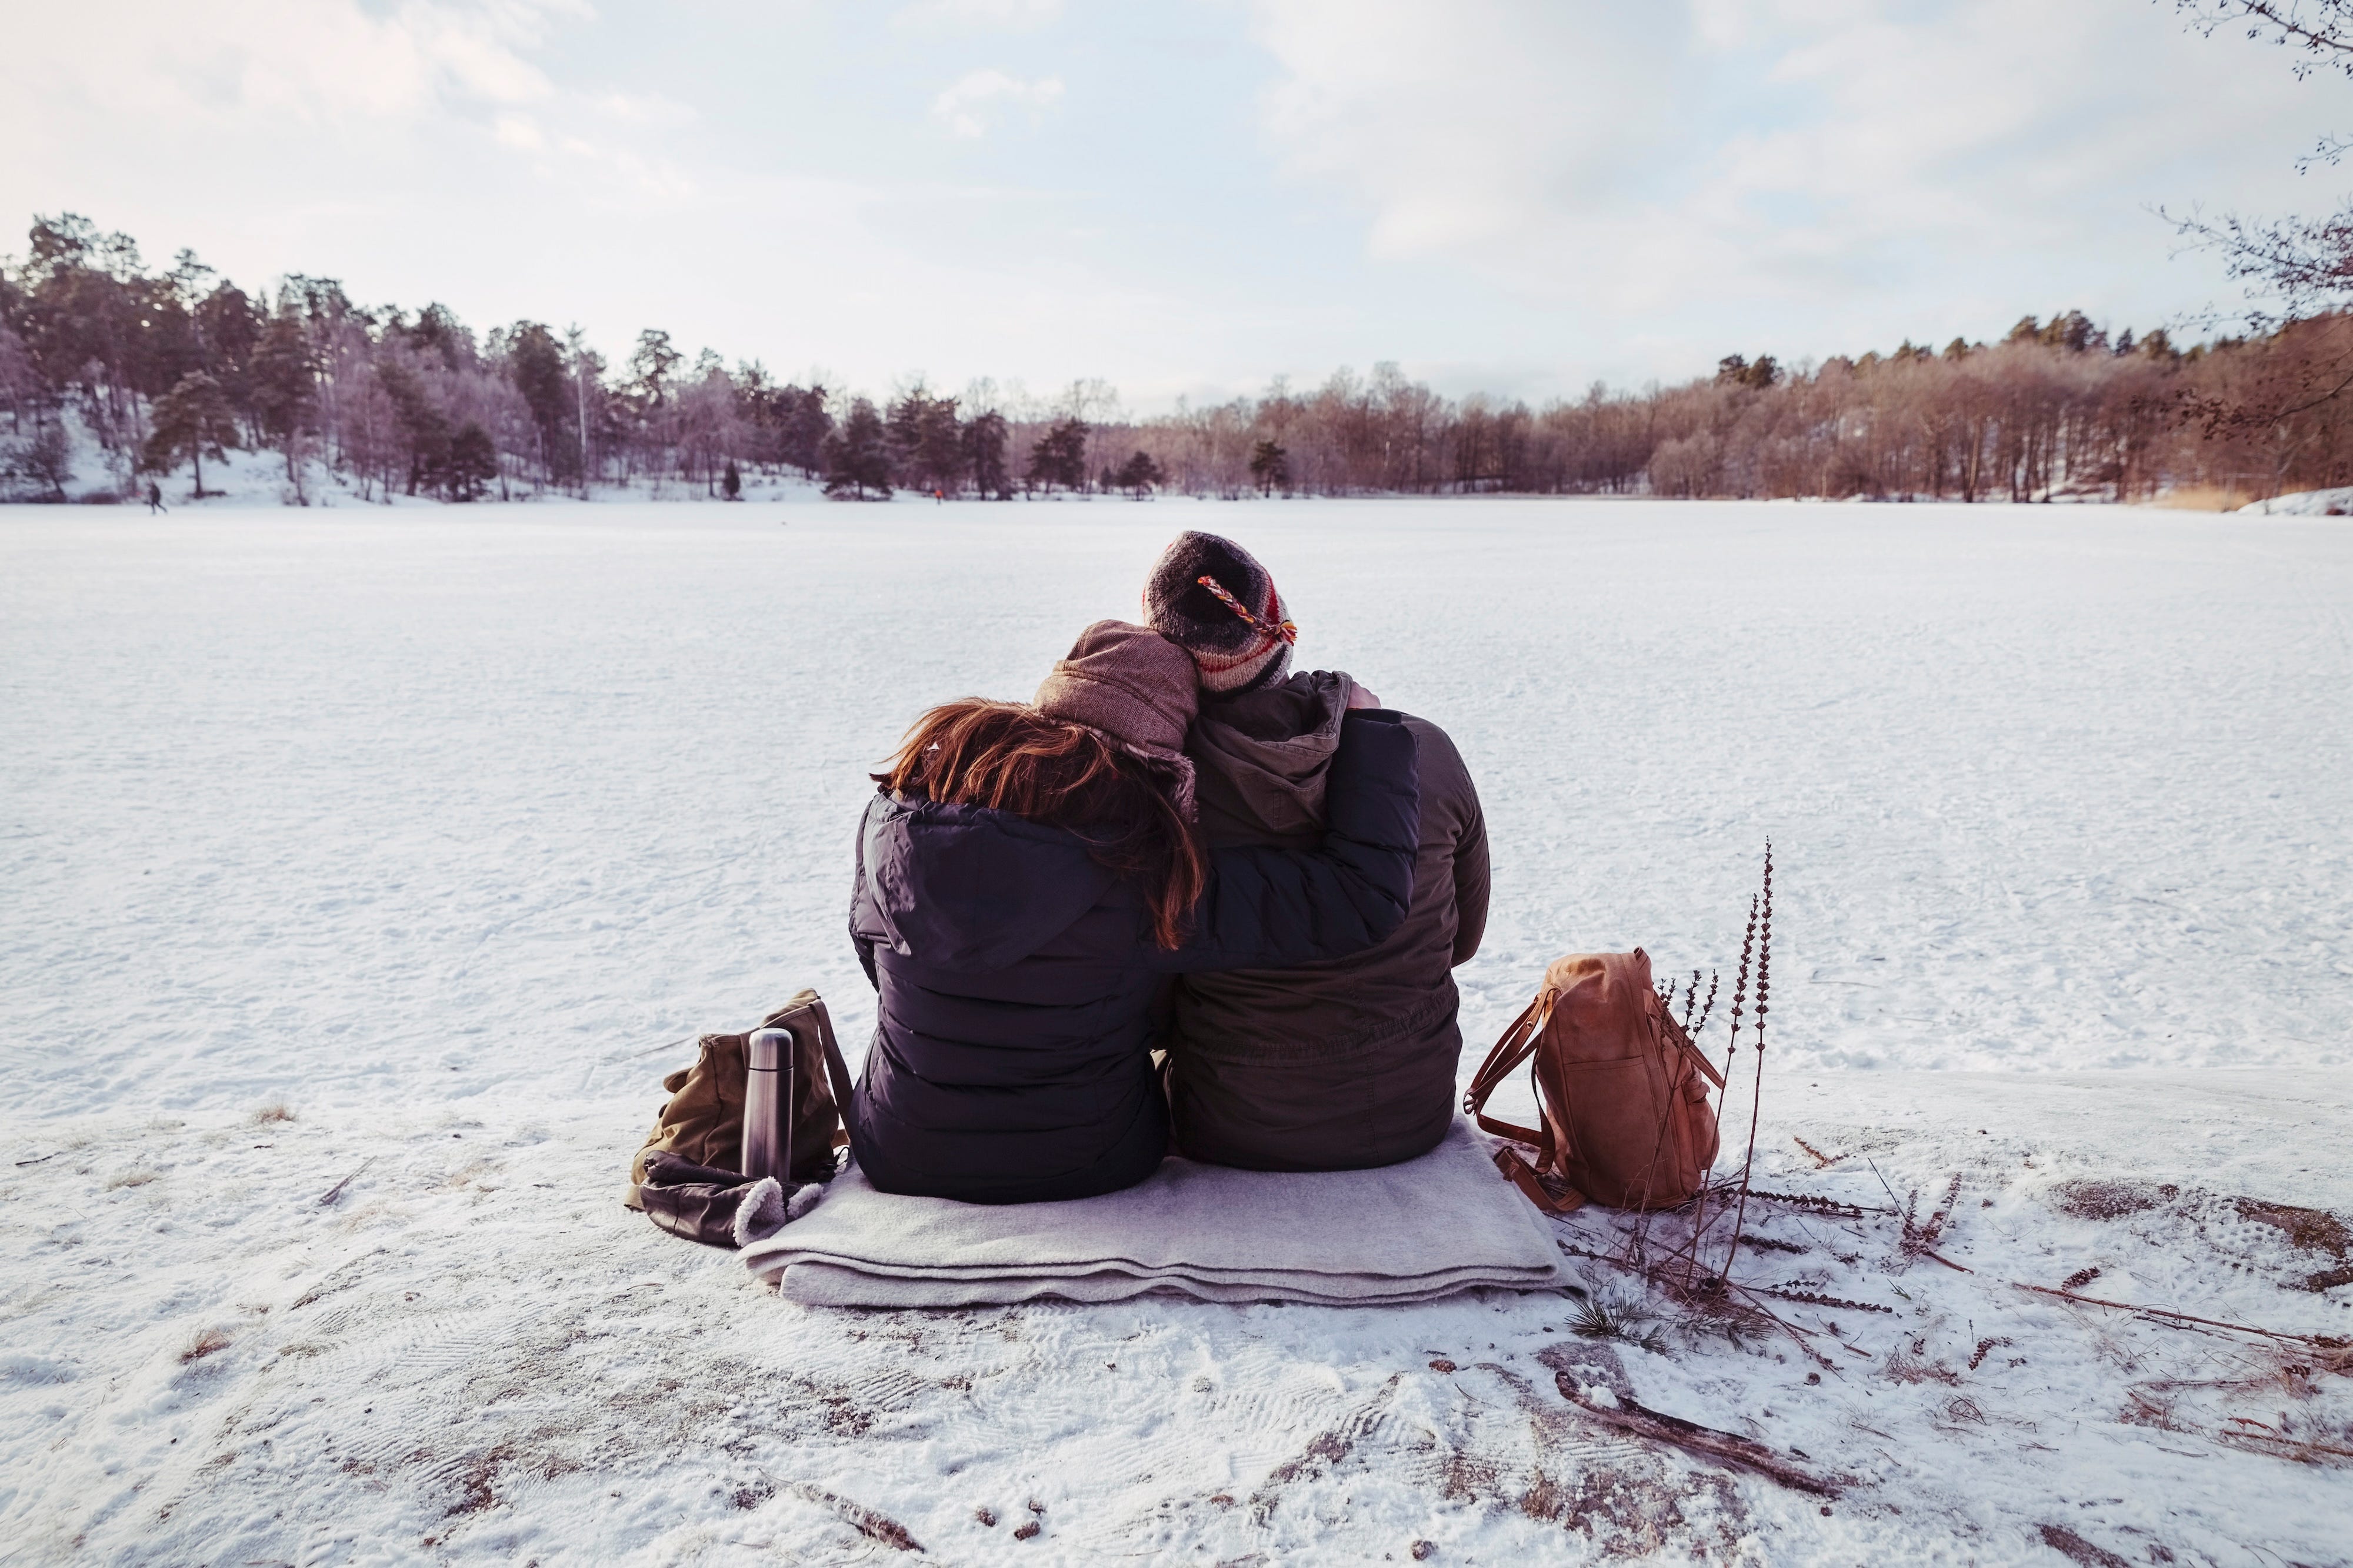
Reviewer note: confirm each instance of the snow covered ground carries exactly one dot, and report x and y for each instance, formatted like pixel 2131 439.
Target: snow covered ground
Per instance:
pixel 402 846
pixel 2335 502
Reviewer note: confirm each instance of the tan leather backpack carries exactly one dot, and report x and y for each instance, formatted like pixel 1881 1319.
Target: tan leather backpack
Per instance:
pixel 1622 1091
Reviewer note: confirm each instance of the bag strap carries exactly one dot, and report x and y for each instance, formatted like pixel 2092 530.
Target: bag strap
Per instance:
pixel 1671 1033
pixel 1517 1044
pixel 837 1072
pixel 1523 1177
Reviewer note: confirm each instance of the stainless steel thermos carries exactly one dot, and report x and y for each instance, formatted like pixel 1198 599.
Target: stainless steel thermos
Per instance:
pixel 769 1106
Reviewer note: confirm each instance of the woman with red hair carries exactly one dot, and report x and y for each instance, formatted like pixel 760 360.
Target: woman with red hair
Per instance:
pixel 1029 874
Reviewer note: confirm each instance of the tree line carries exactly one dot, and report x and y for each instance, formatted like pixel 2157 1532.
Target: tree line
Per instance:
pixel 168 369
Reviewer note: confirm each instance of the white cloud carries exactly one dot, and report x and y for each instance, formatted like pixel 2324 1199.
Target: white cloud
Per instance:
pixel 969 16
pixel 1856 158
pixel 520 131
pixel 642 109
pixel 205 63
pixel 967 108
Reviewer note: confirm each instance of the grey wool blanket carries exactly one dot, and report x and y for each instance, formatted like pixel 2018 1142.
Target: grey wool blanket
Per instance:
pixel 1445 1222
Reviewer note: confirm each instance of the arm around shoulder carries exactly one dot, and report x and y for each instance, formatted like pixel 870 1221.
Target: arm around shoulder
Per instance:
pixel 1455 824
pixel 1269 908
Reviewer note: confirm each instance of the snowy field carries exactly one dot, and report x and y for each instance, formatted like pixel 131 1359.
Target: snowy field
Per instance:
pixel 406 846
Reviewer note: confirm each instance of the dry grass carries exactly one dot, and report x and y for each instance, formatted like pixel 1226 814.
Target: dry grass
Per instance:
pixel 277 1111
pixel 1625 1319
pixel 2306 1230
pixel 2202 498
pixel 1912 1363
pixel 137 1176
pixel 2110 1199
pixel 2075 1548
pixel 205 1342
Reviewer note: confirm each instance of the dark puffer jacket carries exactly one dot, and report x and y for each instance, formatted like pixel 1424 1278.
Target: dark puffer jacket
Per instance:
pixel 1338 1065
pixel 1016 977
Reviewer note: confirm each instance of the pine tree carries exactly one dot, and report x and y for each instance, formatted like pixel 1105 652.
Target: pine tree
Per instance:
pixel 535 365
pixel 1270 465
pixel 227 328
pixel 1139 475
pixel 652 362
pixel 440 332
pixel 806 426
pixel 984 455
pixel 192 420
pixel 939 452
pixel 424 429
pixel 473 462
pixel 1059 457
pixel 858 456
pixel 926 442
pixel 282 383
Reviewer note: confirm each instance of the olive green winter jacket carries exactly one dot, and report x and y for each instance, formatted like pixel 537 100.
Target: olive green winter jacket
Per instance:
pixel 1337 1065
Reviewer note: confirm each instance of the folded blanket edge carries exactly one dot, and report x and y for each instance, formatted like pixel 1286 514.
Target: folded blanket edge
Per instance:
pixel 818 1285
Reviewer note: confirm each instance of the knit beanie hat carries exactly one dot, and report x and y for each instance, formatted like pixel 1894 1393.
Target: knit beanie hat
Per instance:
pixel 1134 688
pixel 1210 597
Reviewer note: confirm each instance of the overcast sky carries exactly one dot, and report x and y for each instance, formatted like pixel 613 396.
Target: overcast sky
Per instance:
pixel 1183 196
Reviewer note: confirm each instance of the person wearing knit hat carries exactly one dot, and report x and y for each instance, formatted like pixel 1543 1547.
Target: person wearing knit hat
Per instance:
pixel 1211 597
pixel 1340 1064
pixel 1135 687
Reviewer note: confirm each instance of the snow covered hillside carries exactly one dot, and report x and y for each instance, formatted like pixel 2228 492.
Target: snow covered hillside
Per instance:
pixel 405 846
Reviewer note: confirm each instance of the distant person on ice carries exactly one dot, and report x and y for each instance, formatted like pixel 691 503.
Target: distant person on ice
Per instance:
pixel 1349 1062
pixel 155 499
pixel 1028 877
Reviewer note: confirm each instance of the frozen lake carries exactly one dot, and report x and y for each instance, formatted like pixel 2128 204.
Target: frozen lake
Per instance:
pixel 485 800
pixel 390 855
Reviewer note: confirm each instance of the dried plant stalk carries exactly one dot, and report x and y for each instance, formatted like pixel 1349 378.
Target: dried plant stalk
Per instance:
pixel 1708 1007
pixel 1756 1096
pixel 1816 1205
pixel 1731 1050
pixel 1814 1298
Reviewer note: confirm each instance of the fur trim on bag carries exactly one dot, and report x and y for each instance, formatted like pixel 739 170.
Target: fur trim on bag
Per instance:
pixel 765 1209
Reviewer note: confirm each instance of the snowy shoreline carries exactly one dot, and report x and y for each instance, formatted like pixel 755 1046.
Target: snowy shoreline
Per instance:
pixel 440 830
pixel 245 480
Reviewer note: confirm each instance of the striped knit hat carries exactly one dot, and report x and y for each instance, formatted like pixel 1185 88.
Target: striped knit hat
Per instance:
pixel 1210 597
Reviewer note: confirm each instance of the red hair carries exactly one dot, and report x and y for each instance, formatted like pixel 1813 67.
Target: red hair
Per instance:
pixel 1007 756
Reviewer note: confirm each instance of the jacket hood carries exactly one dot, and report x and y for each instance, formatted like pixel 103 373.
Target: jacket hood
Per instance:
pixel 1262 757
pixel 962 887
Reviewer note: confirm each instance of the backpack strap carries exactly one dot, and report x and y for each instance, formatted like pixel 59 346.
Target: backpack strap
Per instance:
pixel 1523 1176
pixel 837 1072
pixel 1517 1044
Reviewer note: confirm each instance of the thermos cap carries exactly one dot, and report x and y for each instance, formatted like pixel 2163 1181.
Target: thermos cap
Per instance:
pixel 766 1052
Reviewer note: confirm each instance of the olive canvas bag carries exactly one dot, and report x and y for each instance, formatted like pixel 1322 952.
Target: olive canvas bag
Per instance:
pixel 702 1121
pixel 1621 1093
